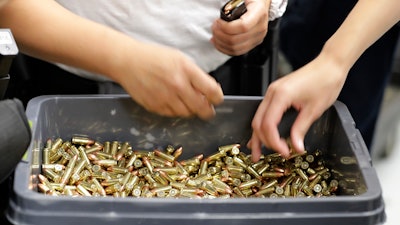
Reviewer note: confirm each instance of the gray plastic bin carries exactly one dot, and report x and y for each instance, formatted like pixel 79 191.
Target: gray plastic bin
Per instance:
pixel 117 117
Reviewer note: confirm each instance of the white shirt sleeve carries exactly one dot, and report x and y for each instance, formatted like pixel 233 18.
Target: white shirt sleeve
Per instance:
pixel 277 8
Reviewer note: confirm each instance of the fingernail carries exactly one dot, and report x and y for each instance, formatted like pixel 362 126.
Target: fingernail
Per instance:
pixel 300 146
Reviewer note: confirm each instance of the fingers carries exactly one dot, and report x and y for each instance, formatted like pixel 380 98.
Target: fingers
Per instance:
pixel 237 44
pixel 240 36
pixel 255 145
pixel 300 127
pixel 276 106
pixel 194 92
pixel 204 92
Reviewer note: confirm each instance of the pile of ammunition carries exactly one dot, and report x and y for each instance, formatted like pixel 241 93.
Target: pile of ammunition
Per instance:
pixel 85 167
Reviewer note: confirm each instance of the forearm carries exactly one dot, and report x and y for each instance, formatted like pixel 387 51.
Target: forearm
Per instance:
pixel 366 23
pixel 50 32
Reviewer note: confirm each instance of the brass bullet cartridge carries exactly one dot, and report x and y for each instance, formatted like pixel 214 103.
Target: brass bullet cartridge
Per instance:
pixel 208 187
pixel 159 178
pixel 165 156
pixel 287 190
pixel 83 154
pixel 287 180
pixel 228 148
pixel 107 147
pixel 125 147
pixel 133 180
pixel 80 165
pixel 301 174
pixel 82 141
pixel 46 156
pixel 52 175
pixel 249 184
pixel 43 179
pixel 310 158
pixel 169 149
pixel 146 161
pixel 99 187
pixel 178 152
pixel 82 190
pixel 131 160
pixel 181 169
pixel 253 172
pixel 263 168
pixel 113 189
pixel 195 161
pixel 149 178
pixel 239 162
pixel 238 192
pixel 162 189
pixel 117 169
pixel 114 148
pixel 173 192
pixel 304 165
pixel 279 190
pixel 56 145
pixel 315 181
pixel 137 192
pixel 178 185
pixel 137 163
pixel 106 162
pixel 317 188
pixel 68 171
pixel 221 186
pixel 56 167
pixel 124 181
pixel 110 182
pixel 265 191
pixel 203 167
pixel 44 189
pixel 156 160
pixel 213 170
pixel 168 170
pixel 271 183
pixel 228 160
pixel 308 191
pixel 272 174
pixel 73 149
pixel 247 191
pixel 234 168
pixel 94 148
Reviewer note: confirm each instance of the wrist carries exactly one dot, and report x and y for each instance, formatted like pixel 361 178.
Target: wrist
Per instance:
pixel 335 55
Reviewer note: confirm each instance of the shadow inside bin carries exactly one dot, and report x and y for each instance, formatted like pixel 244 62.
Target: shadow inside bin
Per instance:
pixel 106 118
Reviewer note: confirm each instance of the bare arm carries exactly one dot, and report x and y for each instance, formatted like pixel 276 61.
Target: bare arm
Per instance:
pixel 314 87
pixel 48 31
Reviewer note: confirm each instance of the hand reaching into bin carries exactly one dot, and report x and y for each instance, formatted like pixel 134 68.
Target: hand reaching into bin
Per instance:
pixel 314 87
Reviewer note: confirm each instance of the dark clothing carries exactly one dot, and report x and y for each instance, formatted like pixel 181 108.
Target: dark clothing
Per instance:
pixel 14 141
pixel 308 24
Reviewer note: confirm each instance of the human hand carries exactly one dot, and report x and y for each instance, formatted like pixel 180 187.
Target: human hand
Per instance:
pixel 167 82
pixel 310 90
pixel 240 36
pixel 2 2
